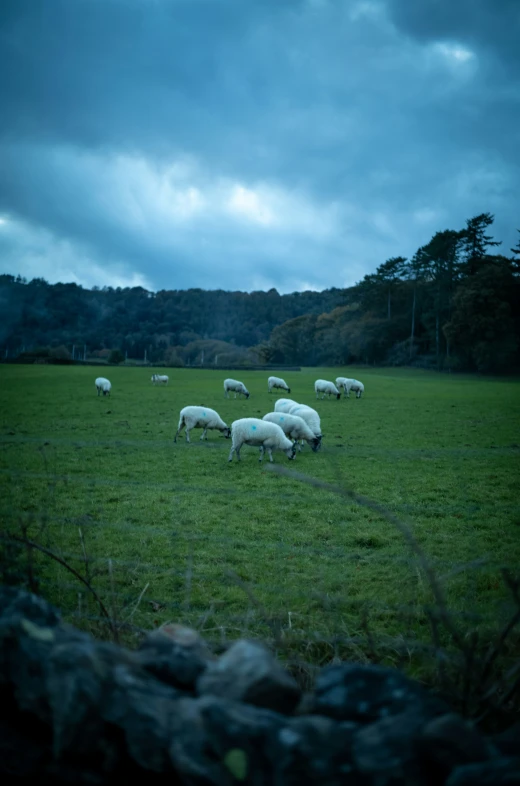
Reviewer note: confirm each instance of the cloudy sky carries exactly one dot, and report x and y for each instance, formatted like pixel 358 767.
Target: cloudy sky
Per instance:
pixel 245 144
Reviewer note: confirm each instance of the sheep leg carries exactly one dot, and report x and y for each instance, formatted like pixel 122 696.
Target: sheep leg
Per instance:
pixel 234 449
pixel 270 452
pixel 261 453
pixel 204 433
pixel 188 433
pixel 181 426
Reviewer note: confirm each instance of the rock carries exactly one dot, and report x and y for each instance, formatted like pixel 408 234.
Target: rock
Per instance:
pixel 190 751
pixel 508 741
pixel 239 736
pixel 175 655
pixel 248 672
pixel 499 772
pixel 449 741
pixel 25 744
pixel 143 709
pixel 354 692
pixel 74 685
pixel 314 750
pixel 29 629
pixel 388 748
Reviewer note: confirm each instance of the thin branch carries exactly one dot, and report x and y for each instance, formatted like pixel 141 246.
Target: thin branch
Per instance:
pixel 139 599
pixel 52 555
pixel 111 574
pixel 85 558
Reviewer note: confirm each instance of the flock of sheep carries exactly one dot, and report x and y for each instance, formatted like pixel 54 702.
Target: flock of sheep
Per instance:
pixel 290 423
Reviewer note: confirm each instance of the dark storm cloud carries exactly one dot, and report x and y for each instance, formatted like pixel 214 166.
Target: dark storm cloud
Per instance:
pixel 491 27
pixel 249 144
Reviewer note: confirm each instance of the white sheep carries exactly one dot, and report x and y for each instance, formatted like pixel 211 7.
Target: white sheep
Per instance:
pixel 236 386
pixel 284 404
pixel 311 417
pixel 160 379
pixel 103 386
pixel 277 382
pixel 295 428
pixel 259 433
pixel 325 387
pixel 350 384
pixel 200 417
pixel 341 383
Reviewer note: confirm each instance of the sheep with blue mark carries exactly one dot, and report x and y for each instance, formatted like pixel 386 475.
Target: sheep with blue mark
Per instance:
pixel 259 433
pixel 284 404
pixel 295 428
pixel 350 384
pixel 201 417
pixel 235 386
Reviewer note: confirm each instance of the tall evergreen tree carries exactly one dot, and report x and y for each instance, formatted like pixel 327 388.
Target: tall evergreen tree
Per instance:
pixel 388 274
pixel 475 242
pixel 515 259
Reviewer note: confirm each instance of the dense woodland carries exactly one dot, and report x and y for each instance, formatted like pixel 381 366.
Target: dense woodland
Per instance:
pixel 454 305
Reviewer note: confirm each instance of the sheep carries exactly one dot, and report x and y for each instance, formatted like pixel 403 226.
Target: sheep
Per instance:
pixel 276 382
pixel 294 427
pixel 201 417
pixel 350 384
pixel 256 432
pixel 341 382
pixel 160 379
pixel 235 385
pixel 311 417
pixel 325 387
pixel 103 386
pixel 284 404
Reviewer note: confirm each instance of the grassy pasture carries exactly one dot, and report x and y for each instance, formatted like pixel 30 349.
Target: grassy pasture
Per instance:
pixel 181 523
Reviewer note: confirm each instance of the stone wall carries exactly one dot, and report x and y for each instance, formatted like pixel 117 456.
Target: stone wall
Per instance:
pixel 76 710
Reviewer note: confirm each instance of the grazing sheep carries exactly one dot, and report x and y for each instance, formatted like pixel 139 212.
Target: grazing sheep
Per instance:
pixel 160 379
pixel 295 428
pixel 276 382
pixel 236 386
pixel 350 384
pixel 311 417
pixel 284 404
pixel 252 431
pixel 200 417
pixel 103 386
pixel 341 382
pixel 325 387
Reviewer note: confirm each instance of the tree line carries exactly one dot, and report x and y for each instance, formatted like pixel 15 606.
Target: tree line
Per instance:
pixel 454 305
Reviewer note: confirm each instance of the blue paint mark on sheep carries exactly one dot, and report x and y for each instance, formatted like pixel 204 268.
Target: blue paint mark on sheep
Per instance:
pixel 253 428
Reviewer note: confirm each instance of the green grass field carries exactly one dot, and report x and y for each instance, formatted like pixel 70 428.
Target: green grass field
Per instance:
pixel 220 545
